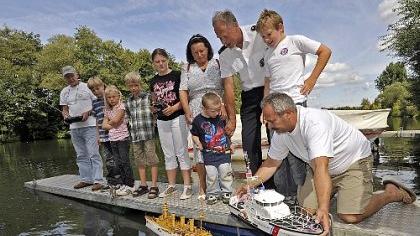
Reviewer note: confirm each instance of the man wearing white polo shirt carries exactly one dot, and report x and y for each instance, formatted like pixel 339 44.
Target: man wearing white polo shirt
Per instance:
pixel 76 102
pixel 243 55
pixel 339 157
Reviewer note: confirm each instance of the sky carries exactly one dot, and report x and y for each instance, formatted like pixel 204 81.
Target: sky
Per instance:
pixel 350 28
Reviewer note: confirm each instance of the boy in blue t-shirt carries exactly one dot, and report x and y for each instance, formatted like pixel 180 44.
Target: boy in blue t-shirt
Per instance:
pixel 208 133
pixel 97 87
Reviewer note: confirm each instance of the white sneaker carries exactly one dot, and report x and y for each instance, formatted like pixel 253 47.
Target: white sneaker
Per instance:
pixel 187 193
pixel 168 191
pixel 124 191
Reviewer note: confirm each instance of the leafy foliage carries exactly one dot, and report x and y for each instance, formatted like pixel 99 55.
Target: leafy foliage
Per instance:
pixel 398 97
pixel 403 39
pixel 394 72
pixel 31 80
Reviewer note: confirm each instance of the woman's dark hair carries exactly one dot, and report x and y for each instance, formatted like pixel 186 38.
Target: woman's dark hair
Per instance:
pixel 160 51
pixel 198 38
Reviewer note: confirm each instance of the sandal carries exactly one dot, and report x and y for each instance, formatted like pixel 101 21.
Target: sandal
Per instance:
pixel 153 193
pixel 140 191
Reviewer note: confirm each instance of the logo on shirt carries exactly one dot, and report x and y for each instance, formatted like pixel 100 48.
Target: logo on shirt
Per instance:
pixel 284 51
pixel 262 62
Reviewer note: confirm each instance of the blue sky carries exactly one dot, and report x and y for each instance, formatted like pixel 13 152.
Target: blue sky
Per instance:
pixel 350 28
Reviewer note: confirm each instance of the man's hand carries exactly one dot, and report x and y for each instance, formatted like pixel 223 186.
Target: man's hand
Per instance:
pixel 223 112
pixel 65 112
pixel 322 217
pixel 189 117
pixel 85 115
pixel 241 190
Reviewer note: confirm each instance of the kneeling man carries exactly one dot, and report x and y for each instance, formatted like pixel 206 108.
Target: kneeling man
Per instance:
pixel 339 157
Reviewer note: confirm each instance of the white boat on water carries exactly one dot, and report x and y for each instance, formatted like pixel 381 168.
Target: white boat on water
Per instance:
pixel 266 211
pixel 370 122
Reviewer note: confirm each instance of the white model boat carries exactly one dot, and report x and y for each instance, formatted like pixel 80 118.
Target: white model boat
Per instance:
pixel 265 210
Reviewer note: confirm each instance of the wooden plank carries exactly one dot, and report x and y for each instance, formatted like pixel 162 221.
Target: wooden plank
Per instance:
pixel 190 208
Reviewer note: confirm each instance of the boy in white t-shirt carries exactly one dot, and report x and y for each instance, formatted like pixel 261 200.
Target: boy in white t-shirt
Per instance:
pixel 285 58
pixel 284 72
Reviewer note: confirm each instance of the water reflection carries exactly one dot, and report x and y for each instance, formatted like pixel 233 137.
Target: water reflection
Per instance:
pixel 400 158
pixel 93 220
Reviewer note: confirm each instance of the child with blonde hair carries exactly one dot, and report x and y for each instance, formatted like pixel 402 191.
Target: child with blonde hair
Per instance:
pixel 140 118
pixel 116 124
pixel 284 64
pixel 208 133
pixel 97 87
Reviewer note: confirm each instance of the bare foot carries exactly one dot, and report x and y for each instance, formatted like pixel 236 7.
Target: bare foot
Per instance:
pixel 398 194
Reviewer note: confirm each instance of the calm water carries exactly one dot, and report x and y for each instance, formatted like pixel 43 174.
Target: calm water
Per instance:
pixel 24 212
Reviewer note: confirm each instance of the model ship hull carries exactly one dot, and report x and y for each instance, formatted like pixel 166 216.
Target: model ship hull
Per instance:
pixel 156 228
pixel 266 226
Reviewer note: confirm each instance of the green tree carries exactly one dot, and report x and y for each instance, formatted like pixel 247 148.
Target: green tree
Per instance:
pixel 89 53
pixel 20 113
pixel 398 98
pixel 394 72
pixel 58 52
pixel 403 39
pixel 365 104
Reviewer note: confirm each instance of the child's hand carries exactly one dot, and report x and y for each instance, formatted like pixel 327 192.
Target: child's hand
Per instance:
pixel 232 148
pixel 168 111
pixel 153 109
pixel 199 146
pixel 308 86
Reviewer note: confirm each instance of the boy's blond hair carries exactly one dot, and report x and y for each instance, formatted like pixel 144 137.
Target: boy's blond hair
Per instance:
pixel 269 16
pixel 132 77
pixel 94 81
pixel 112 89
pixel 211 98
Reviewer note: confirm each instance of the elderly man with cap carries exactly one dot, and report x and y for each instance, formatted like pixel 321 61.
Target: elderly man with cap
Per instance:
pixel 76 101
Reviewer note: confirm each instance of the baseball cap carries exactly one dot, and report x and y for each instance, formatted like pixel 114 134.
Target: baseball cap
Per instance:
pixel 68 70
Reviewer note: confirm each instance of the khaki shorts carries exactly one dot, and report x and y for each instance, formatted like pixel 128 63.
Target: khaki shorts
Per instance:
pixel 145 153
pixel 354 188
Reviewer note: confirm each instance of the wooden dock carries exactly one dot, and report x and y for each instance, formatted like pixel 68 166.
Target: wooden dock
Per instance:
pixel 394 219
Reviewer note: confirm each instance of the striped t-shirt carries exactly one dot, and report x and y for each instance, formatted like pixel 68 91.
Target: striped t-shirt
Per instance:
pixel 98 112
